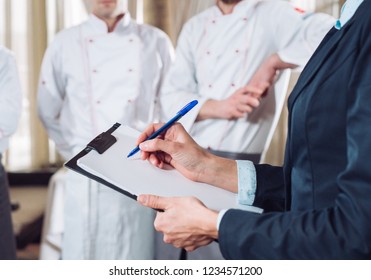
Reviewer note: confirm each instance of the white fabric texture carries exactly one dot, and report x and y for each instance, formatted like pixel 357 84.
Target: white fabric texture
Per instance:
pixel 10 97
pixel 217 54
pixel 89 80
pixel 53 225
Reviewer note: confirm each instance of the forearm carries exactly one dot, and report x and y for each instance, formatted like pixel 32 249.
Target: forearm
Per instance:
pixel 209 111
pixel 264 77
pixel 235 106
pixel 278 64
pixel 208 224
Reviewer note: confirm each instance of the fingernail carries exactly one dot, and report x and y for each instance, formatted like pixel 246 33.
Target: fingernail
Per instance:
pixel 143 146
pixel 142 199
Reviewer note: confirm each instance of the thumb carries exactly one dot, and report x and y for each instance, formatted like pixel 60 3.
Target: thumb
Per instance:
pixel 153 201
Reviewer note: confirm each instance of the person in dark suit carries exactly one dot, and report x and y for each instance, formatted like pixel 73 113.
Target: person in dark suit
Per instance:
pixel 318 205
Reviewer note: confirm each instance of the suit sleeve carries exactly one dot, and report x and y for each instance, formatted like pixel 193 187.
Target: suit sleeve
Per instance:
pixel 270 189
pixel 342 231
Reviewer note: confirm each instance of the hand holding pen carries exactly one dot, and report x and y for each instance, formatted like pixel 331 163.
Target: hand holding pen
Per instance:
pixel 167 125
pixel 177 149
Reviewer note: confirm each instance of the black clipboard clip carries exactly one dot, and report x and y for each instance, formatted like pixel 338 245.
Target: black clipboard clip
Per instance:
pixel 101 143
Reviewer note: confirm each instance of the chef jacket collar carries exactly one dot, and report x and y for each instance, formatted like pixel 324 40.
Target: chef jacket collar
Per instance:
pixel 101 27
pixel 242 7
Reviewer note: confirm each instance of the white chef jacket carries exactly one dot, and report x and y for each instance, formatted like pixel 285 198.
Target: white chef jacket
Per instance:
pixel 89 80
pixel 218 54
pixel 10 97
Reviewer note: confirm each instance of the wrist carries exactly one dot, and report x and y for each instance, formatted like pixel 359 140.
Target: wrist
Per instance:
pixel 210 110
pixel 274 62
pixel 209 226
pixel 220 172
pixel 278 64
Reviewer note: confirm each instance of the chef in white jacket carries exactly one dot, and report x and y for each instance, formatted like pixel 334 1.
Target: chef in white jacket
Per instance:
pixel 10 110
pixel 227 47
pixel 108 69
pixel 225 57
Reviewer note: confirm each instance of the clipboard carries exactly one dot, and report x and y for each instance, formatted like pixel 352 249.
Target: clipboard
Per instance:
pixel 105 160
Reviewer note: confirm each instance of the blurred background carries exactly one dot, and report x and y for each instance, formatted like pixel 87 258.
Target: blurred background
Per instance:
pixel 27 26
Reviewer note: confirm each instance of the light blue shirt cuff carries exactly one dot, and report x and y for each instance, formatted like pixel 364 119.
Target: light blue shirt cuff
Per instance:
pixel 246 182
pixel 246 189
pixel 220 217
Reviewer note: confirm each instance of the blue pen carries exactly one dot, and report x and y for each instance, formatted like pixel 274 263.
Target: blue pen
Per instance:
pixel 167 125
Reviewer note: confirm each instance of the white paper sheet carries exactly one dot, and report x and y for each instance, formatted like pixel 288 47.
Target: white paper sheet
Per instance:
pixel 140 177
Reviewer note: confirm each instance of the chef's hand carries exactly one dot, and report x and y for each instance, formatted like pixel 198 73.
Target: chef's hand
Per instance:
pixel 238 105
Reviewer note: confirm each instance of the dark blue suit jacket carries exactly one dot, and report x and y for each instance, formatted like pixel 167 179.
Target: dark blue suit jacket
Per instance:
pixel 319 204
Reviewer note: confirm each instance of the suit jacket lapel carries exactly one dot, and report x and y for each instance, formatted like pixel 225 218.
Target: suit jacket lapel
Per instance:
pixel 321 55
pixel 314 64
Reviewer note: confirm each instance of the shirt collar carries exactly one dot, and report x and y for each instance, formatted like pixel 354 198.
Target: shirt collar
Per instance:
pixel 101 27
pixel 347 11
